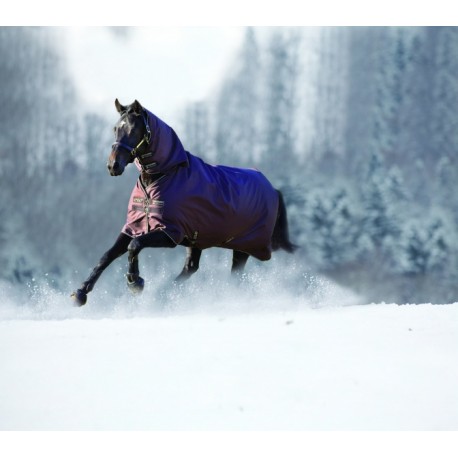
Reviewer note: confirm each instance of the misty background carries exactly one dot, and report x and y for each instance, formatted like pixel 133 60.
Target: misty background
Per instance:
pixel 358 126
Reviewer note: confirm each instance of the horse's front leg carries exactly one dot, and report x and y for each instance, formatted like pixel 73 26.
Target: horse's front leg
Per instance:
pixel 155 239
pixel 118 249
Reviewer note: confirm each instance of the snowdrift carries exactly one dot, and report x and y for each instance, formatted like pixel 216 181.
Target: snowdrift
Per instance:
pixel 217 355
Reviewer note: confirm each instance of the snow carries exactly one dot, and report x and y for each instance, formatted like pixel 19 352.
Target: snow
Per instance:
pixel 242 362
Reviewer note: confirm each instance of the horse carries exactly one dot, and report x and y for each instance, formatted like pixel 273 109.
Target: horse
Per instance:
pixel 179 199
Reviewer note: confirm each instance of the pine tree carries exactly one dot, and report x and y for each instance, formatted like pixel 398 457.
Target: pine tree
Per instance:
pixel 332 234
pixel 278 154
pixel 363 52
pixel 423 247
pixel 390 67
pixel 381 220
pixel 445 178
pixel 445 92
pixel 237 110
pixel 197 133
pixel 332 89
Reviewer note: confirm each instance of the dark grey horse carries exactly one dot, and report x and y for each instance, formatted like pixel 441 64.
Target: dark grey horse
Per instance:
pixel 181 200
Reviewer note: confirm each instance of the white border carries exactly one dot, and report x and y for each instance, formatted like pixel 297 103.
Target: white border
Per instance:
pixel 228 13
pixel 229 444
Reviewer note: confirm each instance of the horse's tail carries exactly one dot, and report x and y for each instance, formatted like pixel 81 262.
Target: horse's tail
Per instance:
pixel 280 236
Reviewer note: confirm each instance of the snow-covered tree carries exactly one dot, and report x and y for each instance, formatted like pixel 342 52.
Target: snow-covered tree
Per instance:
pixel 282 74
pixel 237 111
pixel 197 129
pixel 331 82
pixel 380 193
pixel 445 91
pixel 424 246
pixel 332 233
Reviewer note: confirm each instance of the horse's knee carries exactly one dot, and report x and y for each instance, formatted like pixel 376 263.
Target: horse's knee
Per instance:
pixel 134 247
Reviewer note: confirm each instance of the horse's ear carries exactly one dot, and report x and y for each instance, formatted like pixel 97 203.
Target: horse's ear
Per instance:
pixel 120 108
pixel 136 106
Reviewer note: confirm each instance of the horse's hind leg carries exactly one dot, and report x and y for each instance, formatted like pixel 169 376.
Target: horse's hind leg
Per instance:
pixel 191 264
pixel 239 260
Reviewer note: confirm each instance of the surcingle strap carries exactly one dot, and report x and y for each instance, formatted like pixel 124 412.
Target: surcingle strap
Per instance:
pixel 152 209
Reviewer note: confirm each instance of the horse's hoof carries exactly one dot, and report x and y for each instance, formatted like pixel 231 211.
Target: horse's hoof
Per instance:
pixel 80 297
pixel 135 283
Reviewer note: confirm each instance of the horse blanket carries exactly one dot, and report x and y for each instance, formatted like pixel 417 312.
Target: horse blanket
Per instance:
pixel 211 206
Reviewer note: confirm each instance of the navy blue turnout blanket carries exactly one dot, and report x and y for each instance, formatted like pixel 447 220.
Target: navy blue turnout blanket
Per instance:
pixel 211 206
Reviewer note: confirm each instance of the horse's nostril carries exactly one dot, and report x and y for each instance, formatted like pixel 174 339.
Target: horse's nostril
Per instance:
pixel 115 166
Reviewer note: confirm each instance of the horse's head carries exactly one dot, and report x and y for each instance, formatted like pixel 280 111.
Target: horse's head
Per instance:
pixel 132 137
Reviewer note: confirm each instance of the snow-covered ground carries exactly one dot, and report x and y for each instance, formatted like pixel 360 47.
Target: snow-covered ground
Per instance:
pixel 240 359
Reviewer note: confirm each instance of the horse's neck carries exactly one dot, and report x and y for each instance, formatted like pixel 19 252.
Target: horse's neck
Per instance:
pixel 148 179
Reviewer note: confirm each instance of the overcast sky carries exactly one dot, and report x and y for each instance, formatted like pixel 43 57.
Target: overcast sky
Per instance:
pixel 164 68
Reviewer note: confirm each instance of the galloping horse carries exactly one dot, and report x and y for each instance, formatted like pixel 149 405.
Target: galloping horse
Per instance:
pixel 180 200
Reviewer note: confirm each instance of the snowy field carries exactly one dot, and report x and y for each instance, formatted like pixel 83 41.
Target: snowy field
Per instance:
pixel 235 358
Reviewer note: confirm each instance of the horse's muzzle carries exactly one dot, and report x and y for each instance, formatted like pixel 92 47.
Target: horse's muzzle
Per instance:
pixel 115 168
